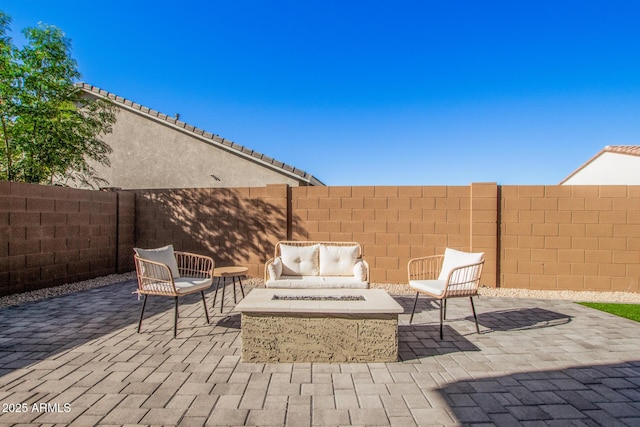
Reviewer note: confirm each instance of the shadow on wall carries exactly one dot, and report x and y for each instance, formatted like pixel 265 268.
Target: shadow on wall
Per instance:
pixel 234 226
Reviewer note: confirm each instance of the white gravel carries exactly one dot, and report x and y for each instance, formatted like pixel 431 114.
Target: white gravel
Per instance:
pixel 585 296
pixel 65 289
pixel 397 289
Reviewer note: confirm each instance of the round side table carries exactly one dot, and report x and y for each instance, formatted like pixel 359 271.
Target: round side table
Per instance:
pixel 232 272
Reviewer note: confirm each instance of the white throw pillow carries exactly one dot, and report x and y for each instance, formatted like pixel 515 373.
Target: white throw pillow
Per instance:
pixel 337 260
pixel 275 269
pixel 164 255
pixel 360 271
pixel 299 260
pixel 454 259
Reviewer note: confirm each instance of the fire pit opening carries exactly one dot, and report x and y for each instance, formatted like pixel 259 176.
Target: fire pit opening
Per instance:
pixel 318 298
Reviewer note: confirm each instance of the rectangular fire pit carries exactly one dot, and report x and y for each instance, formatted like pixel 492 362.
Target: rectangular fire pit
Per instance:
pixel 319 325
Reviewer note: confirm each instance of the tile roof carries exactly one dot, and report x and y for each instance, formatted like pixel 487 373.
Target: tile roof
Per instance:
pixel 623 149
pixel 632 150
pixel 208 137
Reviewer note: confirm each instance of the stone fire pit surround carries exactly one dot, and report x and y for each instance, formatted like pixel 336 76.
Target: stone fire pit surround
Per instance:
pixel 319 325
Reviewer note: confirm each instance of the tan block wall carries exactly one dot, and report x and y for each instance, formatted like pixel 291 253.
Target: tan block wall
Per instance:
pixel 570 237
pixel 394 224
pixel 54 235
pixel 235 226
pixel 535 237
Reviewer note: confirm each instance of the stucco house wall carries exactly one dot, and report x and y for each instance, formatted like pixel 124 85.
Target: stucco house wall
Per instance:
pixel 152 150
pixel 614 165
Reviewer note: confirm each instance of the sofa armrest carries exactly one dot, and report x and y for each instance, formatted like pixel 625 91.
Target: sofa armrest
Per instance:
pixel 365 270
pixel 366 266
pixel 266 269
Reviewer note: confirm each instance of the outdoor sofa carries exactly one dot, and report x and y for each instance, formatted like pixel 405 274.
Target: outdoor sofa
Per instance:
pixel 308 264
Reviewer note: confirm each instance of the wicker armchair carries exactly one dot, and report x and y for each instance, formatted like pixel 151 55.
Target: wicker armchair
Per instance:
pixel 173 274
pixel 442 278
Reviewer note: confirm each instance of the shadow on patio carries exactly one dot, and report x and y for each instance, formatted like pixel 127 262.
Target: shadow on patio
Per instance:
pixel 83 349
pixel 97 318
pixel 584 395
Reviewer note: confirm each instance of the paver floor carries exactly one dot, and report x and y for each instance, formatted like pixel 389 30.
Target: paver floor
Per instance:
pixel 77 360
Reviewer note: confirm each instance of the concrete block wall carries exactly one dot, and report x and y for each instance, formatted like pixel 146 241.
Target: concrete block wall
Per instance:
pixel 535 237
pixel 570 237
pixel 126 223
pixel 235 226
pixel 55 235
pixel 394 224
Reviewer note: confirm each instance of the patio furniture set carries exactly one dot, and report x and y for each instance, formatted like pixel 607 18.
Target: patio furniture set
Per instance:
pixel 316 305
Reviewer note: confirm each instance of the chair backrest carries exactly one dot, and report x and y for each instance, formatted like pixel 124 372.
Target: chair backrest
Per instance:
pixel 311 243
pixel 464 281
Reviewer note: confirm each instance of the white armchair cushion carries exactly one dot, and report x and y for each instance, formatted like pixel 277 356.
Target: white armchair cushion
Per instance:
pixel 337 260
pixel 454 259
pixel 164 255
pixel 189 285
pixel 360 270
pixel 299 260
pixel 431 287
pixel 275 269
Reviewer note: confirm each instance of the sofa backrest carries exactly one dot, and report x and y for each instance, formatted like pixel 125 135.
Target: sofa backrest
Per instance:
pixel 311 243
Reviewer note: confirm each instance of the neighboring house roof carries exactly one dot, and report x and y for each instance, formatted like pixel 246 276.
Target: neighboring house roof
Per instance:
pixel 629 150
pixel 208 137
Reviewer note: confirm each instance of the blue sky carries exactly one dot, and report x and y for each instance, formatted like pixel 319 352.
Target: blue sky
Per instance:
pixel 374 93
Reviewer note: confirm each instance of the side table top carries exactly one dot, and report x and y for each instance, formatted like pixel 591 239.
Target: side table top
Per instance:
pixel 232 271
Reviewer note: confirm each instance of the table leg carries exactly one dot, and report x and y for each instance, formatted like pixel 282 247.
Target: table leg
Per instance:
pixel 241 288
pixel 235 301
pixel 224 285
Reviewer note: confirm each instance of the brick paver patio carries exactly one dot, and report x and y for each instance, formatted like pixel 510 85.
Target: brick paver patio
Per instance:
pixel 77 360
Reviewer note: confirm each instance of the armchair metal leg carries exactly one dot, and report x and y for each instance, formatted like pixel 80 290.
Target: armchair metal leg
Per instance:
pixel 414 307
pixel 144 303
pixel 444 316
pixel 474 314
pixel 175 320
pixel 442 305
pixel 215 295
pixel 204 304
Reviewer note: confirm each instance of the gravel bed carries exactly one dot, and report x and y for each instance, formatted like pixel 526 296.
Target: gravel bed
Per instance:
pixel 584 296
pixel 65 289
pixel 396 289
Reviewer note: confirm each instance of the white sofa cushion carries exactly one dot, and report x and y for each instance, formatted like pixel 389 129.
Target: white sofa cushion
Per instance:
pixel 337 260
pixel 454 259
pixel 299 260
pixel 164 255
pixel 275 269
pixel 311 282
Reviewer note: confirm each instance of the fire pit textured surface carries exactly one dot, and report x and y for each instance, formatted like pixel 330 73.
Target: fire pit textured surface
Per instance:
pixel 352 325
